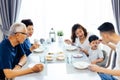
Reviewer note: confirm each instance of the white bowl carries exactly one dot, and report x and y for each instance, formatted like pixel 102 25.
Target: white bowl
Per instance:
pixel 77 55
pixel 49 57
pixel 60 57
pixel 38 50
pixel 71 48
pixel 81 65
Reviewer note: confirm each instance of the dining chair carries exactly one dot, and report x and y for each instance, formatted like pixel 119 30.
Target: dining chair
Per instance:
pixel 104 62
pixel 114 60
pixel 111 60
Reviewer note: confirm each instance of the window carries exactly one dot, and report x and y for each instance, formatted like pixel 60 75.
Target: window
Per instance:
pixel 63 14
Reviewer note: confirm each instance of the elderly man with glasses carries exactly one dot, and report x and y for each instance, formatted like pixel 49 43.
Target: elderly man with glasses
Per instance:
pixel 26 45
pixel 9 49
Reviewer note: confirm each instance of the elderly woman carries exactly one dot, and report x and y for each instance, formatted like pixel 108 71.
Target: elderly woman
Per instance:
pixel 27 45
pixel 8 51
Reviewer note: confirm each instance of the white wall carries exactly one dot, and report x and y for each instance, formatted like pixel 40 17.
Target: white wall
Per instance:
pixel 62 14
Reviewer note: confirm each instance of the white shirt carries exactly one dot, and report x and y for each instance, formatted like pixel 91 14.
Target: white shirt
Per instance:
pixel 85 44
pixel 117 67
pixel 95 54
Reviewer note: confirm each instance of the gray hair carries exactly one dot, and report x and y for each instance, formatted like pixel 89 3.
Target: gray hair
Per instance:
pixel 16 27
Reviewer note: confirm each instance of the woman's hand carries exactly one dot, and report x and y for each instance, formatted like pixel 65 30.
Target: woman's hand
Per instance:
pixel 34 46
pixel 84 51
pixel 67 41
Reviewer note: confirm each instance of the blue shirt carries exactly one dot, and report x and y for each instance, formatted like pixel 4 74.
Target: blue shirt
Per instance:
pixel 8 54
pixel 26 48
pixel 20 52
pixel 26 45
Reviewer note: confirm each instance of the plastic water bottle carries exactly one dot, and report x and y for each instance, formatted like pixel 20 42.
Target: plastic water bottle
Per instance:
pixel 52 35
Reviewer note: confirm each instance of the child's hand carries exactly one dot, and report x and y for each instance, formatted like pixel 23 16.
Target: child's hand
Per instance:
pixel 93 62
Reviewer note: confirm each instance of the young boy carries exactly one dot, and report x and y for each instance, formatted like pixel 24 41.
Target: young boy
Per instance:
pixel 108 34
pixel 95 54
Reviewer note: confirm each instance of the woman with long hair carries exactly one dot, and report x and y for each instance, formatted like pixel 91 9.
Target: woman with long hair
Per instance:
pixel 79 37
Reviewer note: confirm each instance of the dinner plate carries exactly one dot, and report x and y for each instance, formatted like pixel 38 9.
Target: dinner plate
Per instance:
pixel 39 50
pixel 71 48
pixel 81 65
pixel 60 57
pixel 77 55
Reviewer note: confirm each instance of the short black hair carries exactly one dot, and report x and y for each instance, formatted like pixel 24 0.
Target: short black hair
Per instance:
pixel 93 38
pixel 106 27
pixel 27 22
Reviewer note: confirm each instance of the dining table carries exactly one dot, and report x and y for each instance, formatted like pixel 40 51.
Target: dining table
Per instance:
pixel 58 69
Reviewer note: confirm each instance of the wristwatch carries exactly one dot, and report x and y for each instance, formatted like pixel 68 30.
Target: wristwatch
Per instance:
pixel 19 64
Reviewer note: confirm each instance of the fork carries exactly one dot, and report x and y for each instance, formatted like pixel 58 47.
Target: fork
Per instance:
pixel 77 46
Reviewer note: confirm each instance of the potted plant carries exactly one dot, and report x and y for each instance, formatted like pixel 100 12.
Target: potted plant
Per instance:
pixel 60 34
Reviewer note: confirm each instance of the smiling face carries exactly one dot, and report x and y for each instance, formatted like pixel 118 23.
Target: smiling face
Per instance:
pixel 21 36
pixel 94 44
pixel 30 30
pixel 79 33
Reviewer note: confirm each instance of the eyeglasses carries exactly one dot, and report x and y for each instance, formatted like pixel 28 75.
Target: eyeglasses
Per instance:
pixel 22 33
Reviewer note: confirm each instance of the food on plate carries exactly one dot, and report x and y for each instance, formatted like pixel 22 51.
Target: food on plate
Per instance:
pixel 60 52
pixel 49 57
pixel 38 50
pixel 50 53
pixel 81 66
pixel 60 57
